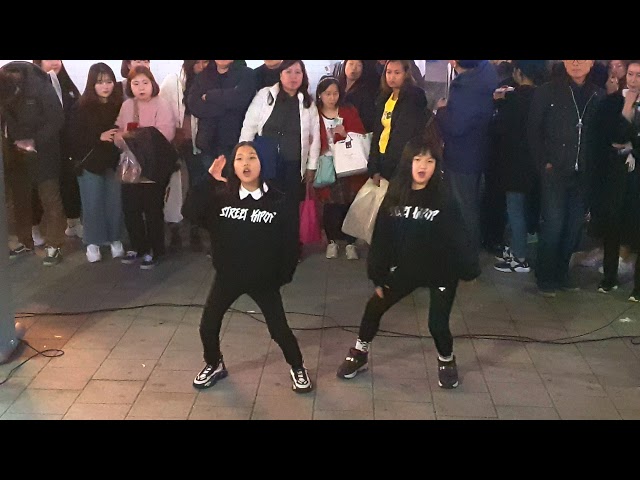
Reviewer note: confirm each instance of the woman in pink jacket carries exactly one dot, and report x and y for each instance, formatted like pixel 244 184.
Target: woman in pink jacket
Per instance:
pixel 143 202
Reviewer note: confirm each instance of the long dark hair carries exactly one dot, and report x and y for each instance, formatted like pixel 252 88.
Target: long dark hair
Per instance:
pixel 304 88
pixel 402 180
pixel 189 75
pixel 89 95
pixel 233 182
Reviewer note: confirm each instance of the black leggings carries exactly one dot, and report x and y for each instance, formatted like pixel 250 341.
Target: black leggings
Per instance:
pixel 142 204
pixel 439 310
pixel 268 298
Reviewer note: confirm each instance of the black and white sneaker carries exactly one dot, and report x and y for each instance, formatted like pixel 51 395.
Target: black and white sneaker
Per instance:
pixel 355 362
pixel 130 257
pixel 148 262
pixel 606 287
pixel 635 296
pixel 447 373
pixel 300 378
pixel 503 254
pixel 513 265
pixel 210 374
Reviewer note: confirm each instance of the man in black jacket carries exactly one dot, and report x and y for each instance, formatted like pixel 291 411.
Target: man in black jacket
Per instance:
pixel 561 139
pixel 219 97
pixel 32 118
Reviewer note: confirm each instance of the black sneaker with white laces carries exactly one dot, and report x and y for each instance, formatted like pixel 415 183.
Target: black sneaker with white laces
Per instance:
pixel 635 296
pixel 513 265
pixel 447 373
pixel 210 374
pixel 355 362
pixel 606 287
pixel 300 379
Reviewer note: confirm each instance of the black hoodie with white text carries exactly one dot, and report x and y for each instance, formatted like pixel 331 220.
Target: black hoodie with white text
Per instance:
pixel 253 243
pixel 421 243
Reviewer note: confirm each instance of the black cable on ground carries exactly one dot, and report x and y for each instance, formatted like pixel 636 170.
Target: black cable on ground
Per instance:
pixel 50 352
pixel 571 340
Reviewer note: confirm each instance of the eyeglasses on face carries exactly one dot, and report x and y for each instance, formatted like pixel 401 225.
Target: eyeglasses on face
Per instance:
pixel 576 62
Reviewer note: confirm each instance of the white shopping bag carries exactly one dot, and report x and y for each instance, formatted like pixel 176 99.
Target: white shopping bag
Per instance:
pixel 362 214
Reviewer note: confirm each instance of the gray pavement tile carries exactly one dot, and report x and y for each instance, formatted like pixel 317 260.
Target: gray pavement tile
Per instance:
pixel 390 389
pixel 30 416
pixel 460 404
pixel 572 407
pixel 35 401
pixel 344 397
pixel 526 413
pixel 163 405
pixel 339 415
pixel 210 412
pixel 88 411
pixel 519 394
pixel 296 407
pixel 170 381
pixel 69 378
pixel 110 391
pixel 402 410
pixel 125 369
pixel 573 384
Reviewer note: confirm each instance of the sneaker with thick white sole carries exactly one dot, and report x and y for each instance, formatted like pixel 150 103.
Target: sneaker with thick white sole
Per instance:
pixel 148 262
pixel 503 254
pixel 514 266
pixel 130 257
pixel 332 250
pixel 117 250
pixel 301 382
pixel 53 256
pixel 447 373
pixel 351 252
pixel 210 375
pixel 355 362
pixel 93 253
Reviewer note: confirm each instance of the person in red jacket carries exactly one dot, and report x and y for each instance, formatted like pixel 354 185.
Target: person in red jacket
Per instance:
pixel 337 118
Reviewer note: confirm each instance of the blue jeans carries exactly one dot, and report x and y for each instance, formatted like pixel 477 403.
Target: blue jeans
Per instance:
pixel 101 198
pixel 516 211
pixel 465 188
pixel 562 211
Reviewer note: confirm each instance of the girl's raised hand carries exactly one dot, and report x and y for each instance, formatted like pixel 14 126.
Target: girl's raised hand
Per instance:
pixel 215 170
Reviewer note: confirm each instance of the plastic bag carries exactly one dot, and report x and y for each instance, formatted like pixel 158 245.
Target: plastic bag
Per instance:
pixel 129 170
pixel 309 222
pixel 362 214
pixel 173 199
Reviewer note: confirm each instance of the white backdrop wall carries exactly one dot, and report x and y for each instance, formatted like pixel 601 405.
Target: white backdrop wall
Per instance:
pixel 78 69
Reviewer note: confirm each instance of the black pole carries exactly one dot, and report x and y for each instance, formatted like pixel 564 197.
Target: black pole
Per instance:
pixel 10 331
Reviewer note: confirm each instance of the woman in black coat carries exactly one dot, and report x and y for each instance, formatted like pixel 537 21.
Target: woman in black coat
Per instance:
pixel 94 156
pixel 401 114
